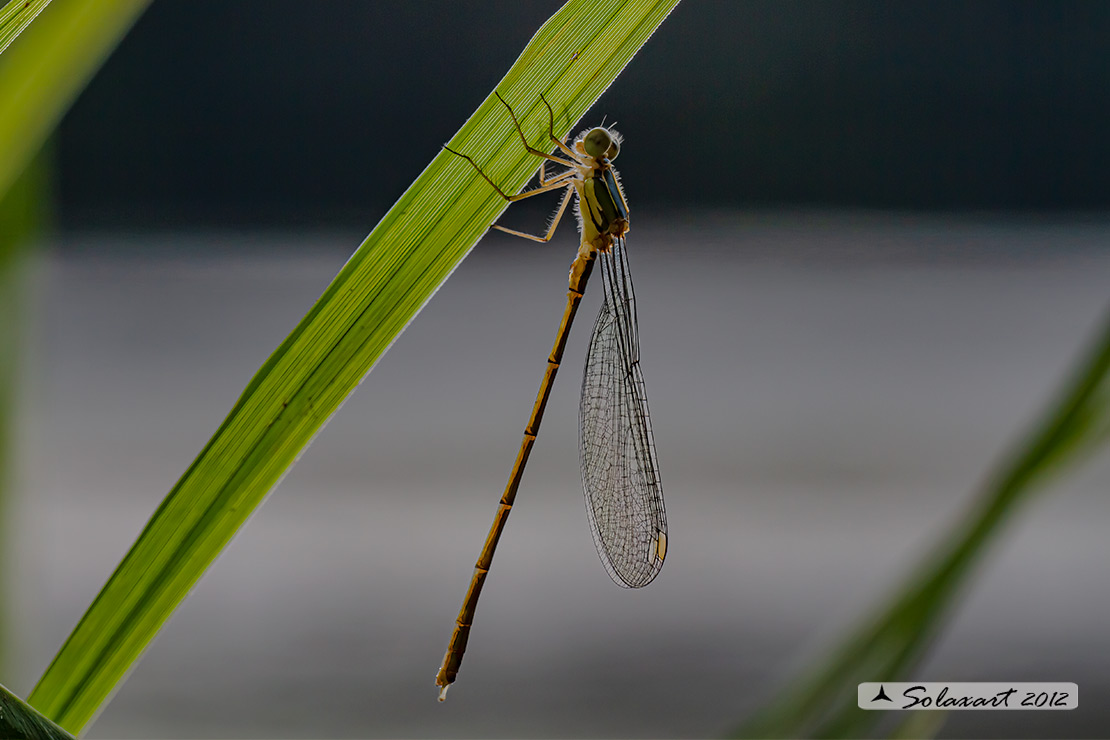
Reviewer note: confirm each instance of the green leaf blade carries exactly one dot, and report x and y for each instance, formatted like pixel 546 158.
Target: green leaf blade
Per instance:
pixel 15 16
pixel 18 721
pixel 889 644
pixel 400 265
pixel 44 71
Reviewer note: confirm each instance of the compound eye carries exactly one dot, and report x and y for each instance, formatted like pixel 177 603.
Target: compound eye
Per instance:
pixel 598 142
pixel 614 150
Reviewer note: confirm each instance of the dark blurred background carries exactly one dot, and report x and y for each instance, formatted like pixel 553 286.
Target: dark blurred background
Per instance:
pixel 235 113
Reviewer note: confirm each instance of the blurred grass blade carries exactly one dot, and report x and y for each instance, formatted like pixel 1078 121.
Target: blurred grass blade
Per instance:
pixel 890 645
pixel 42 73
pixel 919 725
pixel 571 60
pixel 24 210
pixel 40 76
pixel 15 16
pixel 18 721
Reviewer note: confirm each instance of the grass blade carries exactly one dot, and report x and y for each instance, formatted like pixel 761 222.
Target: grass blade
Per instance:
pixel 42 74
pixel 15 16
pixel 24 212
pixel 571 60
pixel 891 643
pixel 18 721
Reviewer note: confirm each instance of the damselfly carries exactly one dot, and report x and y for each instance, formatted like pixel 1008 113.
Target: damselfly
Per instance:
pixel 620 475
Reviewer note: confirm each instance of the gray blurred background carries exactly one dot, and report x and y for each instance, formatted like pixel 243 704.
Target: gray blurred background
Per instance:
pixel 869 240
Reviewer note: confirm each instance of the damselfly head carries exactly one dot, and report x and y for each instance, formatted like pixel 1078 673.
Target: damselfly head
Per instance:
pixel 602 143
